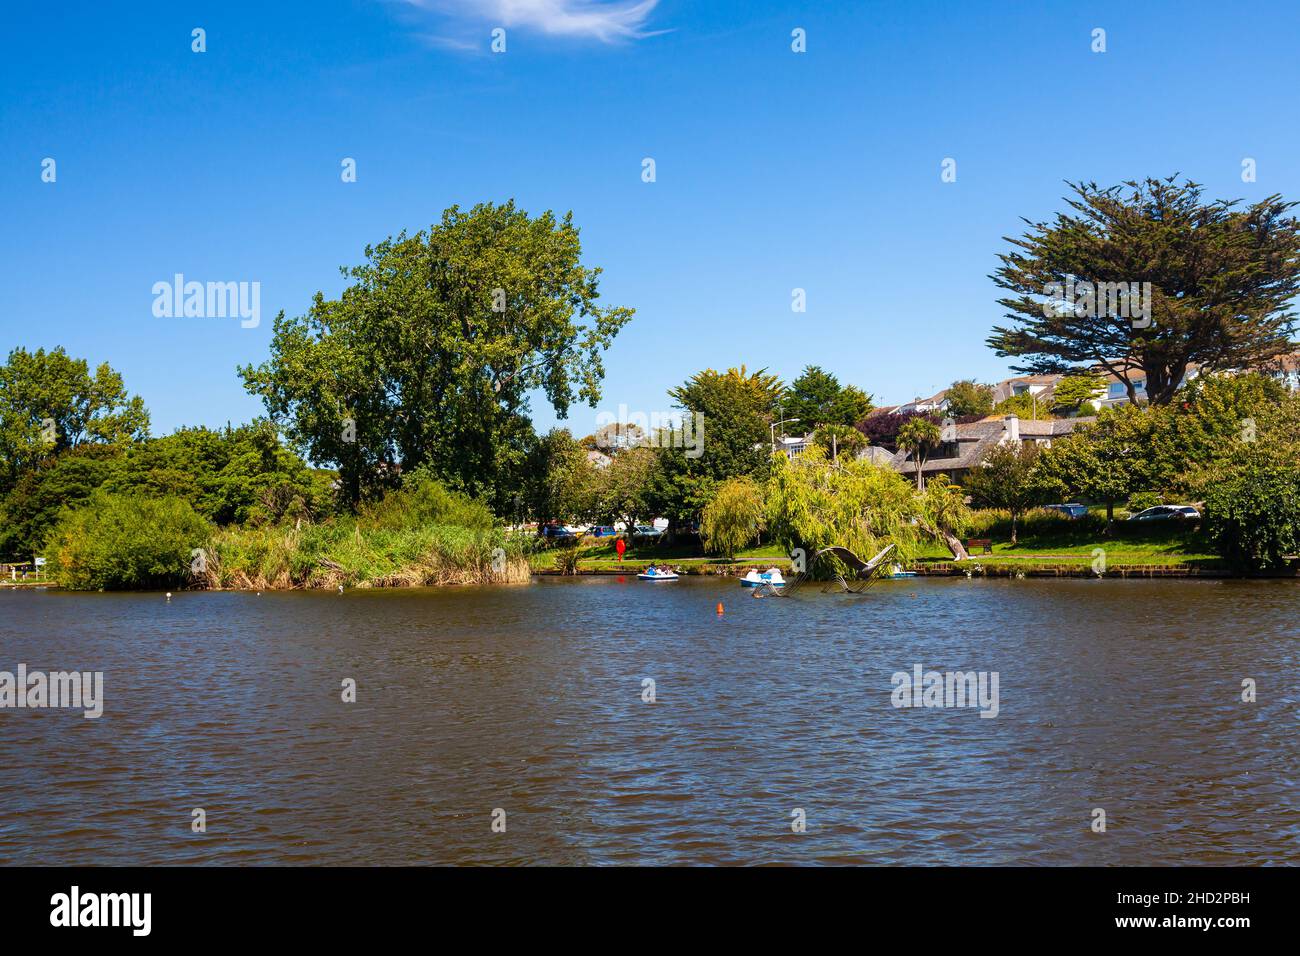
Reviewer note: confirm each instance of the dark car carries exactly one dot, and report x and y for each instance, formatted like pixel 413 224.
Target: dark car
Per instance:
pixel 602 531
pixel 1167 513
pixel 557 531
pixel 1070 510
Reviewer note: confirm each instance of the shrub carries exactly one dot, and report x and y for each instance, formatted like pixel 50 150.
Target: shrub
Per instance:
pixel 425 501
pixel 1252 517
pixel 129 540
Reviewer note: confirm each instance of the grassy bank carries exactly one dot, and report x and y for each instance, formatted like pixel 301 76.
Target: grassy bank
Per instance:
pixel 345 553
pixel 1045 543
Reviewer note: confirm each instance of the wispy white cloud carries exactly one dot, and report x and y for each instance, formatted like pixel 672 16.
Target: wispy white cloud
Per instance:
pixel 608 21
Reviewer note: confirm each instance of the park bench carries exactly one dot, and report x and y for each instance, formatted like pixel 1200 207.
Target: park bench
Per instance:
pixel 985 543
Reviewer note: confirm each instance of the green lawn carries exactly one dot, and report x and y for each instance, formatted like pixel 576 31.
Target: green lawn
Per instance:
pixel 602 556
pixel 1170 547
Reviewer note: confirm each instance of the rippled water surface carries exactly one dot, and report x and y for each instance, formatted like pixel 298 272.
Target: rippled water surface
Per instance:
pixel 1121 695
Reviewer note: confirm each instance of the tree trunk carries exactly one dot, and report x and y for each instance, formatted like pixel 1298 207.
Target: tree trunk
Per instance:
pixel 954 545
pixel 1014 518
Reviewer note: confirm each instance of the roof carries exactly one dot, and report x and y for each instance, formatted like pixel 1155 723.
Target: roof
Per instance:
pixel 976 439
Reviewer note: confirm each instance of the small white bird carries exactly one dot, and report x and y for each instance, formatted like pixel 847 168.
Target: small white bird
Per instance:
pixel 169 595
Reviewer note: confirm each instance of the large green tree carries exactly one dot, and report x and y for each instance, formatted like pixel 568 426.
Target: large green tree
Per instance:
pixel 430 355
pixel 816 398
pixel 1221 277
pixel 50 402
pixel 729 417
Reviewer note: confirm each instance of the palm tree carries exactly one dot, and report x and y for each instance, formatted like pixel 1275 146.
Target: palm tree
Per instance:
pixel 920 436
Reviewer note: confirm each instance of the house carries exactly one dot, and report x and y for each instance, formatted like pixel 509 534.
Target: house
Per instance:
pixel 964 446
pixel 794 445
pixel 599 459
pixel 1037 386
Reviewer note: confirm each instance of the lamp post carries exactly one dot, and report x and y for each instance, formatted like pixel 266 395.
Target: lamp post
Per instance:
pixel 772 429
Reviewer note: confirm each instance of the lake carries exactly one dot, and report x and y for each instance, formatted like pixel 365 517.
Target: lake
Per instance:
pixel 1124 696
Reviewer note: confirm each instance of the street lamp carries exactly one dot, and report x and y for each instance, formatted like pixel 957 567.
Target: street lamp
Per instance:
pixel 772 429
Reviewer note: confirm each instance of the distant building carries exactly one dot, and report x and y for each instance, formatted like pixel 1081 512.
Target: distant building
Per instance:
pixel 966 445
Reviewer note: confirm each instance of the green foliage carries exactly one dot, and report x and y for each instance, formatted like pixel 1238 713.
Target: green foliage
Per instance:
pixel 1222 280
pixel 231 475
pixel 920 437
pixel 836 440
pixel 423 500
pixel 432 352
pixel 1142 500
pixel 816 398
pixel 1007 478
pixel 1074 394
pixel 966 397
pixel 814 504
pixel 125 541
pixel 1252 515
pixel 1023 406
pixel 562 482
pixel 32 506
pixel 734 516
pixel 733 411
pixel 49 402
pixel 346 552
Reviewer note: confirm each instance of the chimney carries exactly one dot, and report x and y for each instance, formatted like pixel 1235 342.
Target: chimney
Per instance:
pixel 1012 425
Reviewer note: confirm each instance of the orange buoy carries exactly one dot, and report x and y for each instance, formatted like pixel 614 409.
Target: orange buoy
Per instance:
pixel 719 607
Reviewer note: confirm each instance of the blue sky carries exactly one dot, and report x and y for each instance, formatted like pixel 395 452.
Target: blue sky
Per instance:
pixel 775 170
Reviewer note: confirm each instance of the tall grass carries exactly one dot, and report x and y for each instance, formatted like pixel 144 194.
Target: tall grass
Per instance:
pixel 346 552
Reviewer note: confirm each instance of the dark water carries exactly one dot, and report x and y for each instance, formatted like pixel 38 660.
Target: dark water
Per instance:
pixel 1123 695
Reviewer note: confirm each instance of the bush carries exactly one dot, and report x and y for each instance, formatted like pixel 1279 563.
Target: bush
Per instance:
pixel 995 523
pixel 1252 517
pixel 116 541
pixel 425 501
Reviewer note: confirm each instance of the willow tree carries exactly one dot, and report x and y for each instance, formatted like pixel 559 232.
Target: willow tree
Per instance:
pixel 1145 279
pixel 733 518
pixel 433 353
pixel 813 503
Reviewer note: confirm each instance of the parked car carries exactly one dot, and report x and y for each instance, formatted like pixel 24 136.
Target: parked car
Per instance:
pixel 648 531
pixel 602 531
pixel 557 531
pixel 1167 513
pixel 1070 510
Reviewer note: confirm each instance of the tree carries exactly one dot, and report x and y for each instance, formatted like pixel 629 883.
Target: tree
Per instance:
pixel 919 436
pixel 1006 479
pixel 563 482
pixel 733 518
pixel 624 488
pixel 813 503
pixel 1221 281
pixel 1024 405
pixel 816 398
pixel 126 541
pixel 836 440
pixel 432 352
pixel 49 402
pixel 1252 515
pixel 729 417
pixel 968 398
pixel 882 429
pixel 1074 394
